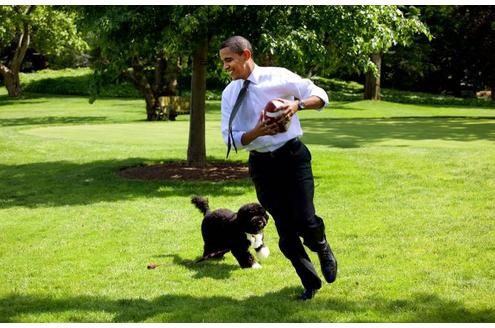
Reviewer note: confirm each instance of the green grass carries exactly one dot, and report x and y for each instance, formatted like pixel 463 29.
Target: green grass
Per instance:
pixel 406 190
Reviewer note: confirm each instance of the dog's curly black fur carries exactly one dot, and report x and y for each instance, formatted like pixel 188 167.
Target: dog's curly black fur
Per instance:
pixel 224 230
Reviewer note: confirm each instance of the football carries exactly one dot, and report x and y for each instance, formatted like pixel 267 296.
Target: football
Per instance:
pixel 272 111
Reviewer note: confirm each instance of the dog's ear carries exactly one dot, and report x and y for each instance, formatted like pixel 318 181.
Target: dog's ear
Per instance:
pixel 248 211
pixel 243 214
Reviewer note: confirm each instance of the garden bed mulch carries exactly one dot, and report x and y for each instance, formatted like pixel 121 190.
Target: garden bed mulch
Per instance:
pixel 178 171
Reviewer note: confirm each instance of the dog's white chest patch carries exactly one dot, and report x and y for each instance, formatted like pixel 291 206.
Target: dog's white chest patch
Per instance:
pixel 255 240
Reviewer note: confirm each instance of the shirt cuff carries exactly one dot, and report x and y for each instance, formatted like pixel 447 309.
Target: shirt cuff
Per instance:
pixel 324 99
pixel 237 139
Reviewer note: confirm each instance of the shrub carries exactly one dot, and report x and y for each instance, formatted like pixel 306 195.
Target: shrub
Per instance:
pixel 73 82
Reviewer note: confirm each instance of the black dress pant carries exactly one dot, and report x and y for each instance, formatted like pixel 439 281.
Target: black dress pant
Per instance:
pixel 285 188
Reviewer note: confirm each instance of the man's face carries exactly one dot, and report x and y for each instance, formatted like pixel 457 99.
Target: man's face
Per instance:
pixel 236 65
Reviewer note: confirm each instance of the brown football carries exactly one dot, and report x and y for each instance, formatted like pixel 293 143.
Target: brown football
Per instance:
pixel 272 111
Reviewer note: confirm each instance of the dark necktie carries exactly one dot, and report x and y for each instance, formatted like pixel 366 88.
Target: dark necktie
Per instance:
pixel 237 104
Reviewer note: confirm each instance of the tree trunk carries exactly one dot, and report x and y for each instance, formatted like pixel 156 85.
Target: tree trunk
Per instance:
pixel 196 150
pixel 12 83
pixel 372 82
pixel 170 75
pixel 11 74
pixel 160 66
pixel 154 110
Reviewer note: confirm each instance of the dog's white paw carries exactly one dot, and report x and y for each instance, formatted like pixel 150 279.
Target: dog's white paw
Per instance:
pixel 256 265
pixel 263 253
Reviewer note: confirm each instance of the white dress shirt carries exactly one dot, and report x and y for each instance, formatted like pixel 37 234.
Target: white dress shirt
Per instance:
pixel 267 83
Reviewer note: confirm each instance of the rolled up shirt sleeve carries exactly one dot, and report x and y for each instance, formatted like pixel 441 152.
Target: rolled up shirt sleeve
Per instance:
pixel 305 88
pixel 319 92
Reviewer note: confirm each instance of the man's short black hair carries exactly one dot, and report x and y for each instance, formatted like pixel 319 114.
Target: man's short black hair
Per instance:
pixel 237 44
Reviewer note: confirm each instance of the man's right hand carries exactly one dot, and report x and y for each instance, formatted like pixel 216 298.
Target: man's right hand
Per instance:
pixel 261 129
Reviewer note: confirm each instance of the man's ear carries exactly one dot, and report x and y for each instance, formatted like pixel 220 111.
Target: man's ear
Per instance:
pixel 247 54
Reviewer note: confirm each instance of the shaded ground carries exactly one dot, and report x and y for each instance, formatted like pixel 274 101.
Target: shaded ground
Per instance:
pixel 182 172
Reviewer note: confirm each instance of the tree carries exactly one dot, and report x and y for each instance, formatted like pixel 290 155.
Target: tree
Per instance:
pixel 462 51
pixel 50 30
pixel 15 25
pixel 367 32
pixel 196 150
pixel 458 60
pixel 137 44
pixel 326 39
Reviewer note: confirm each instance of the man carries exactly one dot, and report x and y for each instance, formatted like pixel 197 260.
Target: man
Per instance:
pixel 279 163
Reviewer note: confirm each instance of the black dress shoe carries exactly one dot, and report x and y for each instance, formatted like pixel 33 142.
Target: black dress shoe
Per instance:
pixel 307 294
pixel 328 263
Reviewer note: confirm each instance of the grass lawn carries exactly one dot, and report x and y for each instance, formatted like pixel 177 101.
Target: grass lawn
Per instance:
pixel 407 192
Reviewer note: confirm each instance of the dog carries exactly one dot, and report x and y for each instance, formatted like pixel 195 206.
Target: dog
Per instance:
pixel 225 231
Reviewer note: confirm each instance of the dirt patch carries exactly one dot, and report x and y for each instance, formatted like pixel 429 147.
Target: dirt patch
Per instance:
pixel 182 172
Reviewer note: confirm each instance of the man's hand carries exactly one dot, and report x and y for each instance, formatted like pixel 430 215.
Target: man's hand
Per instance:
pixel 261 129
pixel 289 111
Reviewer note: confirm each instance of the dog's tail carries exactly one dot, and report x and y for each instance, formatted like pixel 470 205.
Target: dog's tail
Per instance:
pixel 201 203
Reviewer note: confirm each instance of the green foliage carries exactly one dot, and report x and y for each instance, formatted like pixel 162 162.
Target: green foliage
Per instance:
pixel 337 85
pixel 120 34
pixel 409 97
pixel 459 56
pixel 53 33
pixel 72 82
pixel 9 20
pixel 366 30
pixel 308 39
pixel 340 90
pixel 323 39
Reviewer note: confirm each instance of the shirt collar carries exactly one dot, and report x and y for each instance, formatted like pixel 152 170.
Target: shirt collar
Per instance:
pixel 254 76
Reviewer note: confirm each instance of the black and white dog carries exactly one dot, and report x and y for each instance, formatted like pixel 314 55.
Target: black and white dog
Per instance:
pixel 226 231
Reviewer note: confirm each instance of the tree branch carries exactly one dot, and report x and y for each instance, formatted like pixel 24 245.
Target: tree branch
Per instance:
pixel 29 10
pixel 4 70
pixel 23 45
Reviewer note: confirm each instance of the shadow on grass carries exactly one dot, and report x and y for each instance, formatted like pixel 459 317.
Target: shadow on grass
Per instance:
pixel 66 183
pixel 52 120
pixel 279 306
pixel 358 132
pixel 4 101
pixel 213 268
pixel 27 99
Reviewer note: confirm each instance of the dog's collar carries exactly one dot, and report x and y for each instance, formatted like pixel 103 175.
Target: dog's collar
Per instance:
pixel 256 240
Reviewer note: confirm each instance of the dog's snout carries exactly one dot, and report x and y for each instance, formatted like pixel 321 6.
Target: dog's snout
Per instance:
pixel 260 221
